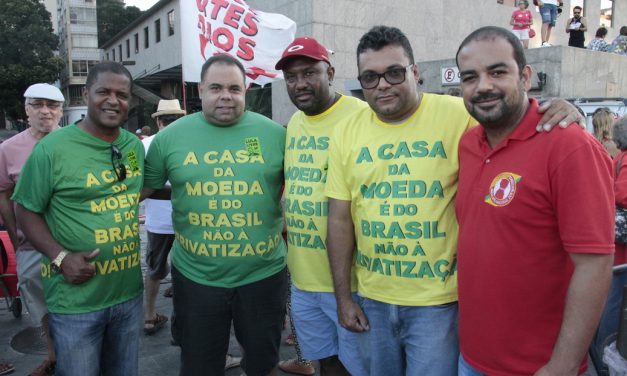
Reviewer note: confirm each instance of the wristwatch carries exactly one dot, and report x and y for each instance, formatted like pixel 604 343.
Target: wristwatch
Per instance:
pixel 55 265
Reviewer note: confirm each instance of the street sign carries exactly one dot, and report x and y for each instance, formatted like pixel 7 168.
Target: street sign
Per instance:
pixel 450 76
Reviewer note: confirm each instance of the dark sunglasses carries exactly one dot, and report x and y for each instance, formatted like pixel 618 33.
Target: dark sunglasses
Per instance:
pixel 116 162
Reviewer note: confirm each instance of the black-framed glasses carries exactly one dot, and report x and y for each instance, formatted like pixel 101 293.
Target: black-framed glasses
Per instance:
pixel 395 76
pixel 38 105
pixel 116 162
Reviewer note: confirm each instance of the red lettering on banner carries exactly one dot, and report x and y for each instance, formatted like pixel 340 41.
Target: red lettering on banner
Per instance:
pixel 217 5
pixel 250 25
pixel 233 17
pixel 246 49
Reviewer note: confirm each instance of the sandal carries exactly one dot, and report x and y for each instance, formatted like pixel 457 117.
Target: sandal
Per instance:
pixel 6 368
pixel 168 293
pixel 157 323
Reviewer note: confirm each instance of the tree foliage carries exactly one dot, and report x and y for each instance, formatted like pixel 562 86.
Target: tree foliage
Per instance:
pixel 27 42
pixel 113 17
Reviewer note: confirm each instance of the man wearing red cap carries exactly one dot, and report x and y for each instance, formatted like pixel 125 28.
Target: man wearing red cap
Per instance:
pixel 308 77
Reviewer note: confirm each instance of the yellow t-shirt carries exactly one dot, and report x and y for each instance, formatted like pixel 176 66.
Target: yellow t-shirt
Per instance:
pixel 306 208
pixel 402 181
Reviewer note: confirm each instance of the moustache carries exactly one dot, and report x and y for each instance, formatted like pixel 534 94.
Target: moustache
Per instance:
pixel 486 96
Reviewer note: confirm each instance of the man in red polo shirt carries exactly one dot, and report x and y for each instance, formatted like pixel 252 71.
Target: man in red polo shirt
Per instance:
pixel 536 218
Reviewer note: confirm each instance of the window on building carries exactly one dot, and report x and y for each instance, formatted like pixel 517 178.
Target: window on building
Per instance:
pixel 607 13
pixel 113 54
pixel 136 43
pixel 171 22
pixel 84 41
pixel 120 50
pixel 108 56
pixel 76 95
pixel 158 31
pixel 146 36
pixel 128 48
pixel 83 16
pixel 80 68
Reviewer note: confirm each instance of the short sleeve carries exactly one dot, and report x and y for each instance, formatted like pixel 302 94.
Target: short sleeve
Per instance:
pixel 36 183
pixel 6 184
pixel 155 174
pixel 337 186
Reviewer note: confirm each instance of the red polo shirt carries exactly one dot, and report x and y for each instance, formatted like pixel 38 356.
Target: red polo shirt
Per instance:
pixel 522 207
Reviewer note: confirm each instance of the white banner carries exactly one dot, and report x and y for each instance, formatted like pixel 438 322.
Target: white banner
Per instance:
pixel 256 38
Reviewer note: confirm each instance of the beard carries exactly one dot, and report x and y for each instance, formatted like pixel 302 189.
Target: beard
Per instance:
pixel 501 113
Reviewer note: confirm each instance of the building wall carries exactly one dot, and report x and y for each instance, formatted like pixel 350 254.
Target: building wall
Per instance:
pixel 158 56
pixel 436 29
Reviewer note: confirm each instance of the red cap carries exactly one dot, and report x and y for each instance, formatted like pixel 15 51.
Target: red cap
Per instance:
pixel 303 46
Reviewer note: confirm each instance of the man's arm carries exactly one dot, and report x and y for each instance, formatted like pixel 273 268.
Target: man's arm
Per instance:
pixel 340 246
pixel 584 303
pixel 8 216
pixel 584 23
pixel 558 111
pixel 75 266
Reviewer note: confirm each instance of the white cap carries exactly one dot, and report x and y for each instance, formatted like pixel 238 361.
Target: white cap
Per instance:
pixel 44 91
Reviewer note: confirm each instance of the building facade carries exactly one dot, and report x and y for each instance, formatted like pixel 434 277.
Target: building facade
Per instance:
pixel 78 47
pixel 434 28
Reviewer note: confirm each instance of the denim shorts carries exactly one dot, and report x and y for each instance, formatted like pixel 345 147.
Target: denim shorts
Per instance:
pixel 549 14
pixel 203 323
pixel 410 340
pixel 319 333
pixel 101 343
pixel 159 246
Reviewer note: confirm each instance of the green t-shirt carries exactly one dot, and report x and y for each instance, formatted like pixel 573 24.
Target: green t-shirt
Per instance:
pixel 226 186
pixel 69 179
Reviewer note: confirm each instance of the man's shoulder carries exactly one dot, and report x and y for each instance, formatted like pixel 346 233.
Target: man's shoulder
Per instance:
pixel 19 140
pixel 257 119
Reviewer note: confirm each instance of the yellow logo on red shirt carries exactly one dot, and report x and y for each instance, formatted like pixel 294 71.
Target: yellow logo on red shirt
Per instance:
pixel 503 189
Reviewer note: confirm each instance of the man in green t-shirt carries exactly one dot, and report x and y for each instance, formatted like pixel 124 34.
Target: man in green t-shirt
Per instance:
pixel 225 167
pixel 77 199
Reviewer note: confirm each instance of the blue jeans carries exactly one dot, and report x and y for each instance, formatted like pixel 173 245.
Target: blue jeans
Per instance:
pixel 466 369
pixel 549 14
pixel 608 326
pixel 405 340
pixel 100 343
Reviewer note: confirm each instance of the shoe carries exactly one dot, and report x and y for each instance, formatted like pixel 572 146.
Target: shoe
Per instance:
pixel 297 368
pixel 168 293
pixel 232 361
pixel 546 44
pixel 6 368
pixel 156 324
pixel 289 340
pixel 45 369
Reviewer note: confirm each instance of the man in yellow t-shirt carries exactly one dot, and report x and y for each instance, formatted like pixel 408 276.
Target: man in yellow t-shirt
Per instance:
pixel 308 77
pixel 392 179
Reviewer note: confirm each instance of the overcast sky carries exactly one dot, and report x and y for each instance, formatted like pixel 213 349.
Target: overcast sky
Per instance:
pixel 141 4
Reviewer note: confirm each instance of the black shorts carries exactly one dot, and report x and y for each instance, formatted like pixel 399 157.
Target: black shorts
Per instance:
pixel 203 323
pixel 159 246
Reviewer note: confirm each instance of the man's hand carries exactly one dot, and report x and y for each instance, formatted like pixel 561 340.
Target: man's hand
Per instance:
pixel 76 267
pixel 351 316
pixel 552 370
pixel 558 111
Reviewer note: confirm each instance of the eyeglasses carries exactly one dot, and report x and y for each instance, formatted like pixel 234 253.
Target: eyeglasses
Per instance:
pixel 576 12
pixel 116 162
pixel 395 76
pixel 50 105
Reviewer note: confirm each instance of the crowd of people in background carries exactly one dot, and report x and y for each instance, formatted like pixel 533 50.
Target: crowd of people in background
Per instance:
pixel 576 27
pixel 404 214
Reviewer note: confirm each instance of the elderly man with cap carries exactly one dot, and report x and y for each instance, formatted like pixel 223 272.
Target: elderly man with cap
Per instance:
pixel 308 78
pixel 44 108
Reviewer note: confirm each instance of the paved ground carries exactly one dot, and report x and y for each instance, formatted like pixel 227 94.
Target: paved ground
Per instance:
pixel 156 357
